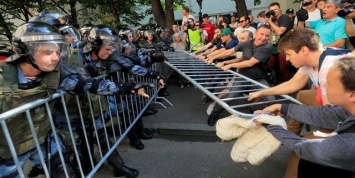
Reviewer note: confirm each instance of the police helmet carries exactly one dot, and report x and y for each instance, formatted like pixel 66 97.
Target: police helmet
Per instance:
pixel 102 34
pixel 147 32
pixel 123 33
pixel 31 36
pixel 85 29
pixel 54 18
pixel 70 31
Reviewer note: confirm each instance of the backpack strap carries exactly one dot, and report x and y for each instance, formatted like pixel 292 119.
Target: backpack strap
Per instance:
pixel 330 51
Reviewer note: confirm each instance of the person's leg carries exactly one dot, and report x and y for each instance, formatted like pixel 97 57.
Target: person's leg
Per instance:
pixel 142 134
pixel 222 95
pixel 8 168
pixel 307 97
pixel 273 64
pixel 219 109
pixel 307 169
pixel 114 160
pixel 56 165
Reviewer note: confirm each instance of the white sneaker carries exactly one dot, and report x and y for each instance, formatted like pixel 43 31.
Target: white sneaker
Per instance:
pixel 210 109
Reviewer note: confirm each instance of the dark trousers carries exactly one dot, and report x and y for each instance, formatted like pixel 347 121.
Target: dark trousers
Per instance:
pixel 283 68
pixel 307 169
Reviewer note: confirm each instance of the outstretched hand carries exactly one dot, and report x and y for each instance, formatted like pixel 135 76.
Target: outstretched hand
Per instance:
pixel 274 109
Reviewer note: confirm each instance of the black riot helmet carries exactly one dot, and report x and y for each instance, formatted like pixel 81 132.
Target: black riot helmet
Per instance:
pixel 54 18
pixel 102 34
pixel 32 36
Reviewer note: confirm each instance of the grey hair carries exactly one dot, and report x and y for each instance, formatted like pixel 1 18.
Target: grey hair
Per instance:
pixel 250 34
pixel 346 66
pixel 177 34
pixel 337 3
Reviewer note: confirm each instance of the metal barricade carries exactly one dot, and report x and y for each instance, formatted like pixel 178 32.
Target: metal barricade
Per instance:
pixel 84 112
pixel 210 79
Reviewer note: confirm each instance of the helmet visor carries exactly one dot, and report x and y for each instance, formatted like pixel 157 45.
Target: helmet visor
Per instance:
pixel 71 34
pixel 51 50
pixel 114 44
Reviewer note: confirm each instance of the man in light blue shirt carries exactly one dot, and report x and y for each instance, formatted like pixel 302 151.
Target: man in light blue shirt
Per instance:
pixel 331 28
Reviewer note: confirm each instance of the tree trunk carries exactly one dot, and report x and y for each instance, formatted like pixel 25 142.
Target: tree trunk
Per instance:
pixel 74 16
pixel 241 7
pixel 169 11
pixel 6 29
pixel 158 12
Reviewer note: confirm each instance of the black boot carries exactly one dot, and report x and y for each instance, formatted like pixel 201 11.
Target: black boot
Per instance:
pixel 35 171
pixel 142 134
pixel 212 119
pixel 137 144
pixel 116 162
pixel 163 92
pixel 126 172
pixel 149 111
pixel 133 135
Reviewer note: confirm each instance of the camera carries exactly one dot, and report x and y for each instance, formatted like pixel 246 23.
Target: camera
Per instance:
pixel 270 13
pixel 306 3
pixel 302 15
pixel 188 25
pixel 346 10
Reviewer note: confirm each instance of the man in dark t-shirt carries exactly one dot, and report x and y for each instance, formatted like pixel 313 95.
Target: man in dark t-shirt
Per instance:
pixel 280 25
pixel 255 53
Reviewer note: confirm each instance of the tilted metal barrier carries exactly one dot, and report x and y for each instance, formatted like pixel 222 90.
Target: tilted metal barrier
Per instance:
pixel 117 113
pixel 208 78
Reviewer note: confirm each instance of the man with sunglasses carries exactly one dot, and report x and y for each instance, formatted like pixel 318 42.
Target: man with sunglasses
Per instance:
pixel 244 24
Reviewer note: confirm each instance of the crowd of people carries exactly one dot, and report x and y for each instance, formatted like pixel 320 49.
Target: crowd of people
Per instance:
pixel 50 55
pixel 298 46
pixel 304 48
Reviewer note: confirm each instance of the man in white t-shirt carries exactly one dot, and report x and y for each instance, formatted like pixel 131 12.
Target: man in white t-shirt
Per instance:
pixel 244 22
pixel 186 15
pixel 303 49
pixel 313 12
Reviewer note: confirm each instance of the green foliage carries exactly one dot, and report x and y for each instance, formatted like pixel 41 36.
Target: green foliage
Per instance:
pixel 257 2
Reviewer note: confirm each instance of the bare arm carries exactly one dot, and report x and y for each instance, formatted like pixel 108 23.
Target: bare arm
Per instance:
pixel 203 48
pixel 221 64
pixel 277 29
pixel 216 52
pixel 350 27
pixel 205 53
pixel 338 43
pixel 297 82
pixel 221 55
pixel 302 24
pixel 243 64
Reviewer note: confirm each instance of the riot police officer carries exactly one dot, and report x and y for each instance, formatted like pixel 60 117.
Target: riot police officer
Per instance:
pixel 27 75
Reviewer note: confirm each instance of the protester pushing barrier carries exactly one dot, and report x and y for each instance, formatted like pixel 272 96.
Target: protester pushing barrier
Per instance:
pixel 211 80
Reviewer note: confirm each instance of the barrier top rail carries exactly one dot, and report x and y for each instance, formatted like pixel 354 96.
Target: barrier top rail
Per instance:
pixel 210 80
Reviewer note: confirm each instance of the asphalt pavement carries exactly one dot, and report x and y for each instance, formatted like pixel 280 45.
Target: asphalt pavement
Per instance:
pixel 186 147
